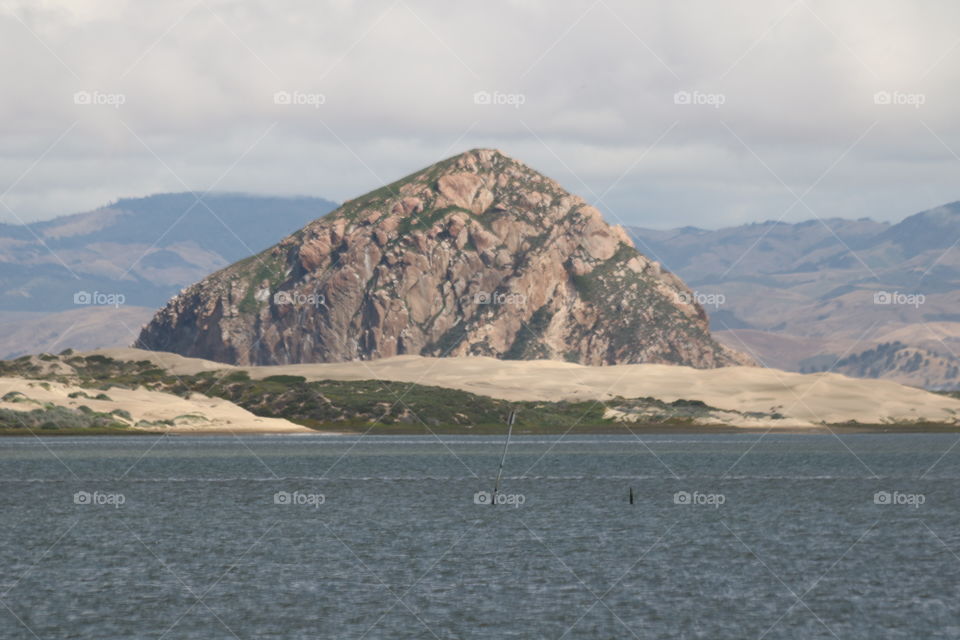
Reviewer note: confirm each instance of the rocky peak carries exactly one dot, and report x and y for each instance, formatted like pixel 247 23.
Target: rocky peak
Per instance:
pixel 477 254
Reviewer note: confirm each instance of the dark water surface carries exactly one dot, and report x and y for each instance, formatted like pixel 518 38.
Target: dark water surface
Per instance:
pixel 338 537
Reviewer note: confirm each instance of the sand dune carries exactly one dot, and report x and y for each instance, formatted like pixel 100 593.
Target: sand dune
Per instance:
pixel 804 400
pixel 198 414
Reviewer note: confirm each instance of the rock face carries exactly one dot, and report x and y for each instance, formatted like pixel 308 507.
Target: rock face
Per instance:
pixel 475 255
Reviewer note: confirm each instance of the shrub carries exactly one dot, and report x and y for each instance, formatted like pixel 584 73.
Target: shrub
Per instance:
pixel 289 380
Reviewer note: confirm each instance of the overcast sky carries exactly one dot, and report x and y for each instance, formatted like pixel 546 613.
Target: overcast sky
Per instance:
pixel 112 98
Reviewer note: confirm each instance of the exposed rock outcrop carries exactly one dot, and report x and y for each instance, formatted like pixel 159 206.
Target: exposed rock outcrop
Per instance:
pixel 477 254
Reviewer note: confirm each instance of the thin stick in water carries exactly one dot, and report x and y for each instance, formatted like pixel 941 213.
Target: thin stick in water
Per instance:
pixel 496 485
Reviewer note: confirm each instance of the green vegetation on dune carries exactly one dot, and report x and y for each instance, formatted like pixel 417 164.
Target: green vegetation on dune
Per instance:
pixel 374 406
pixel 51 417
pixel 356 405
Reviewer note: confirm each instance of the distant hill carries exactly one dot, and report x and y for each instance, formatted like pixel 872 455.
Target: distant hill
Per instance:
pixel 94 327
pixel 807 295
pixel 146 249
pixel 892 360
pixel 135 253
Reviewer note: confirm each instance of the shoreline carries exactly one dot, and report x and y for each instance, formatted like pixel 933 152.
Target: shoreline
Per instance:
pixel 497 430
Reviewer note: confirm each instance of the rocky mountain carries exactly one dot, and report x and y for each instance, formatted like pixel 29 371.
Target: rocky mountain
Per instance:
pixel 92 279
pixel 475 255
pixel 827 294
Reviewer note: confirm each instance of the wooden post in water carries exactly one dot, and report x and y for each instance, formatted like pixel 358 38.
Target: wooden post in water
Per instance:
pixel 631 495
pixel 496 485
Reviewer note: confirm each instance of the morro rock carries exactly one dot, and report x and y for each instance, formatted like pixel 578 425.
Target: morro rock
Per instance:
pixel 477 254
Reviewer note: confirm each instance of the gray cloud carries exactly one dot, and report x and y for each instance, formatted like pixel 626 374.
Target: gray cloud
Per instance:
pixel 797 82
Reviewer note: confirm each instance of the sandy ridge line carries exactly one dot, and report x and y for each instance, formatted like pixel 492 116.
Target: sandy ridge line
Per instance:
pixel 803 399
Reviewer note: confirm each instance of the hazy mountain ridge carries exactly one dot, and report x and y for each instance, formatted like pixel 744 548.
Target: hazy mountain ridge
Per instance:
pixel 816 292
pixel 143 248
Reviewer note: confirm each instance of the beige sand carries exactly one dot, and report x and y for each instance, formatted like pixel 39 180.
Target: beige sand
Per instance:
pixel 198 414
pixel 805 400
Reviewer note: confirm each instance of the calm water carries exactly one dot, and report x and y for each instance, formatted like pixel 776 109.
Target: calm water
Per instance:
pixel 335 537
